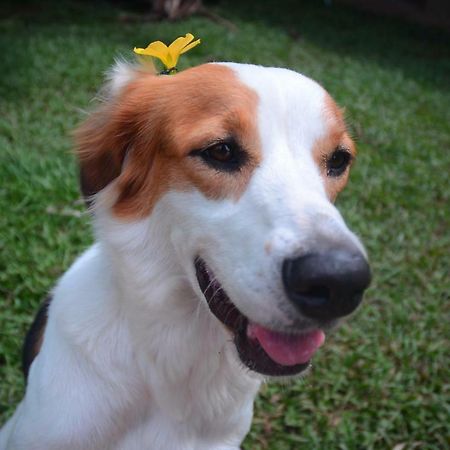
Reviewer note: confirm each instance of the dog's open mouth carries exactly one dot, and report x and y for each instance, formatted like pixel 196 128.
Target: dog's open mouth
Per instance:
pixel 262 350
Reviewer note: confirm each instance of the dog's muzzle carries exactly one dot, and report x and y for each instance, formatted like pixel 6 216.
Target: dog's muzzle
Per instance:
pixel 323 287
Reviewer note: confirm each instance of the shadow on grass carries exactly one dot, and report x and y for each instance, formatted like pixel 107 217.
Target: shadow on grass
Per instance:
pixel 420 53
pixel 34 36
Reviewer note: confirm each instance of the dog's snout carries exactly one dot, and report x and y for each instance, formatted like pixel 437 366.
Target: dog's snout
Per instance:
pixel 327 285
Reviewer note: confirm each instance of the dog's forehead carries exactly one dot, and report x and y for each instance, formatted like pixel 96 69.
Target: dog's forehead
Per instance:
pixel 212 100
pixel 288 101
pixel 278 85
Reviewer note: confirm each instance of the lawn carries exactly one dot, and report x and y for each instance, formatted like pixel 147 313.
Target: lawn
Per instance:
pixel 383 380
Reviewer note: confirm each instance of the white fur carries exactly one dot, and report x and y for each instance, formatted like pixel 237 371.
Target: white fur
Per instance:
pixel 132 357
pixel 118 77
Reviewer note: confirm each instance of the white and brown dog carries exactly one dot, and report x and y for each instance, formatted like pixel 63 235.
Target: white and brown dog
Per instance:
pixel 220 261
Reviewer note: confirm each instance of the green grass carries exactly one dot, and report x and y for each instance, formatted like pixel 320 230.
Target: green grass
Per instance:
pixel 383 379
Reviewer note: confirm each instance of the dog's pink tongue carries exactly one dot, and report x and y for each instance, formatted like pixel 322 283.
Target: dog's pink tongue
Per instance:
pixel 287 349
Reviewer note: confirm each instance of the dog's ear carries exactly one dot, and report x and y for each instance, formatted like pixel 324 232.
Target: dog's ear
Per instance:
pixel 101 149
pixel 103 140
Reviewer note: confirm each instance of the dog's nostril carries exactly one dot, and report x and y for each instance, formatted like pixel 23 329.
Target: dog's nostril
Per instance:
pixel 316 294
pixel 326 286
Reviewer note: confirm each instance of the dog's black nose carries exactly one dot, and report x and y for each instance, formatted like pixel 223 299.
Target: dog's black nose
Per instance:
pixel 326 285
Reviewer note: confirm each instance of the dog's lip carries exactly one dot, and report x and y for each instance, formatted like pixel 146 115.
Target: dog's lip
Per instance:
pixel 262 350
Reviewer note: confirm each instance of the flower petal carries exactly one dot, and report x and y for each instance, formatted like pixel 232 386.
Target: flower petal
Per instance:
pixel 139 51
pixel 179 43
pixel 157 46
pixel 157 49
pixel 191 45
pixel 176 47
pixel 169 55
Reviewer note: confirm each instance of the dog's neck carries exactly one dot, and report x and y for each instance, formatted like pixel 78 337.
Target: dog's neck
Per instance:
pixel 185 354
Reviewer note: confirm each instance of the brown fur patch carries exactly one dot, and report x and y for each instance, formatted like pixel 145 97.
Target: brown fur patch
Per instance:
pixel 156 122
pixel 335 136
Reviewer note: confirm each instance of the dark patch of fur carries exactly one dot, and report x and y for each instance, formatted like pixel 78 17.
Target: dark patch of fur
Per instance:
pixel 33 339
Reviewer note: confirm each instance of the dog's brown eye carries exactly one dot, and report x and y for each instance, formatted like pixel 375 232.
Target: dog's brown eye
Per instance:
pixel 220 152
pixel 226 156
pixel 338 162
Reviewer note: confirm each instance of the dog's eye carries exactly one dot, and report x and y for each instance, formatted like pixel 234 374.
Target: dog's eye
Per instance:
pixel 338 162
pixel 225 156
pixel 222 153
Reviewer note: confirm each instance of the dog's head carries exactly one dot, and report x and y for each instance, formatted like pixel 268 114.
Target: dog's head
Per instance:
pixel 237 167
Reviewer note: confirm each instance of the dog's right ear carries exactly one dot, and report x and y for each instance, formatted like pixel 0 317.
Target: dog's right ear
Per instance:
pixel 101 149
pixel 103 140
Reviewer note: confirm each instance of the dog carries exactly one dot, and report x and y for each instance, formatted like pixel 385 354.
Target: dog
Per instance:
pixel 220 261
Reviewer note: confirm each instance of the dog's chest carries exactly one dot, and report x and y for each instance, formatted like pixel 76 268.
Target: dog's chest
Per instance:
pixel 161 432
pixel 206 423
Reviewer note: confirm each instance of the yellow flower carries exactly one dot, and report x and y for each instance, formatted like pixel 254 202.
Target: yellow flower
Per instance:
pixel 169 55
